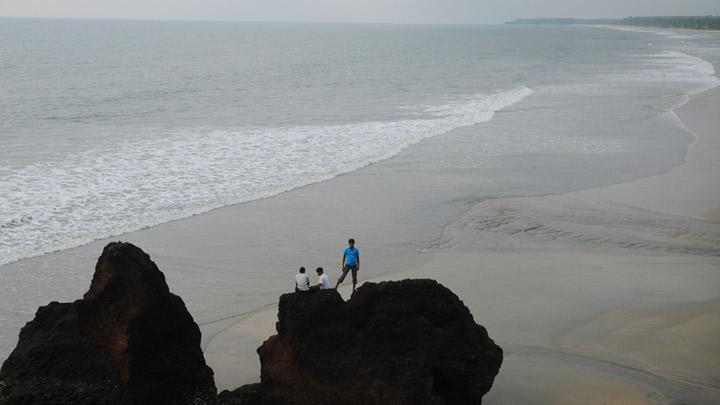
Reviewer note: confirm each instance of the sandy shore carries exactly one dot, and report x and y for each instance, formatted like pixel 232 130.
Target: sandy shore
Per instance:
pixel 608 295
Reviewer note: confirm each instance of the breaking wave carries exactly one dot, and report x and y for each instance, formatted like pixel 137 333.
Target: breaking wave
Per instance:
pixel 108 191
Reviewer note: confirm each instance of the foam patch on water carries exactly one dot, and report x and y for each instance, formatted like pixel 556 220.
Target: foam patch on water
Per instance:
pixel 99 193
pixel 674 67
pixel 676 33
pixel 634 28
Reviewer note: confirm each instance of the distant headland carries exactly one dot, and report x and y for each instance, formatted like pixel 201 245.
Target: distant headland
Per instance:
pixel 685 22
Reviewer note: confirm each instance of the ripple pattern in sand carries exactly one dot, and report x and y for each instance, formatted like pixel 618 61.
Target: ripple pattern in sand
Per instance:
pixel 512 223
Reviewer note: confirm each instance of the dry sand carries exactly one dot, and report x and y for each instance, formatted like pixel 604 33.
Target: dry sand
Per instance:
pixel 608 295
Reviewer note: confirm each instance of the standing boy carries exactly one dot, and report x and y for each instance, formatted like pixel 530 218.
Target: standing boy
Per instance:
pixel 350 263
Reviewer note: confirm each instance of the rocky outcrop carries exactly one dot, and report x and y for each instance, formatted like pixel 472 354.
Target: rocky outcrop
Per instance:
pixel 131 341
pixel 406 342
pixel 128 341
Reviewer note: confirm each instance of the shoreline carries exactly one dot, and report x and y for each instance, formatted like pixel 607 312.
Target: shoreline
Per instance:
pixel 647 28
pixel 642 333
pixel 499 100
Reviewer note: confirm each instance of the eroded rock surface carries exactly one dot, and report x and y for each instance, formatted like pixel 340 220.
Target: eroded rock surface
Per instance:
pixel 128 341
pixel 406 342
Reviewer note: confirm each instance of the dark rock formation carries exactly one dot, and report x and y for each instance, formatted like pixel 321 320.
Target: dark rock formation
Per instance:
pixel 128 341
pixel 406 342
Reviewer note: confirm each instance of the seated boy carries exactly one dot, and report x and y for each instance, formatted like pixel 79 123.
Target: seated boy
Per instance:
pixel 302 281
pixel 323 280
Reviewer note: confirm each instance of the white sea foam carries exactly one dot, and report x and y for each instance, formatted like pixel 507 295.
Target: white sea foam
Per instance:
pixel 672 33
pixel 633 28
pixel 675 67
pixel 50 206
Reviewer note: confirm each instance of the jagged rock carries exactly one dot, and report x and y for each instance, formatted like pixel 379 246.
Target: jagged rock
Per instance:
pixel 128 341
pixel 247 394
pixel 406 342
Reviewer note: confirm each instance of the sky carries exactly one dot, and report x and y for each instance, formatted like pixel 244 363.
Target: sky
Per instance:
pixel 382 11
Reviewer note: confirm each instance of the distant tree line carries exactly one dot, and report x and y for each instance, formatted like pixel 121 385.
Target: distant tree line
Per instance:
pixel 689 22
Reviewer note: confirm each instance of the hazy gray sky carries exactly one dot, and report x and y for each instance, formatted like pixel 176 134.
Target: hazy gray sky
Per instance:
pixel 399 11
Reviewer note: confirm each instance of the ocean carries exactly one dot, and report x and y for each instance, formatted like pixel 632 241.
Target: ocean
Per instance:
pixel 109 127
pixel 112 126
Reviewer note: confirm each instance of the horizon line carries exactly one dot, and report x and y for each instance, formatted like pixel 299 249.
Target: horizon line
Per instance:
pixel 245 21
pixel 310 22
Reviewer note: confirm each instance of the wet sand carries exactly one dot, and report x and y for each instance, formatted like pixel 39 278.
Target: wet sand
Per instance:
pixel 608 295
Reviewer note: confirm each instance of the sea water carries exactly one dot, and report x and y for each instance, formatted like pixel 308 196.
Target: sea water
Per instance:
pixel 107 127
pixel 110 126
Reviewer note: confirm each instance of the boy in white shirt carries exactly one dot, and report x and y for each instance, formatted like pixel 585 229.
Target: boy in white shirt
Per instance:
pixel 302 281
pixel 323 280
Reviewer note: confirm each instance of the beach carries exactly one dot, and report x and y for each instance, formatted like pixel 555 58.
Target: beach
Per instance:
pixel 589 308
pixel 600 288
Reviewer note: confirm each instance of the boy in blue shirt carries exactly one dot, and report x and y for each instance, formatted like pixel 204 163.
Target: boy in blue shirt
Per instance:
pixel 351 263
